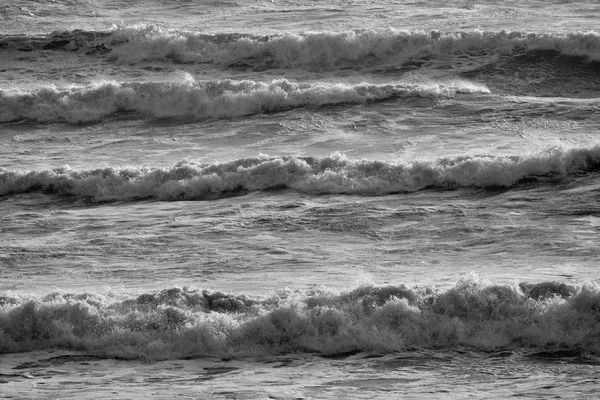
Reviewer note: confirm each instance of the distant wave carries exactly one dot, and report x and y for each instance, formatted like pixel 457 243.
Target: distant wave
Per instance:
pixel 334 49
pixel 211 99
pixel 314 51
pixel 335 174
pixel 184 323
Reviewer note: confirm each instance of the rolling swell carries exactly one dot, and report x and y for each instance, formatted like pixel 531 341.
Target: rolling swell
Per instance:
pixel 547 317
pixel 199 100
pixel 335 174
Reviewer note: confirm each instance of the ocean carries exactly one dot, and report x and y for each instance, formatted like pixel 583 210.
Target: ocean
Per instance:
pixel 298 199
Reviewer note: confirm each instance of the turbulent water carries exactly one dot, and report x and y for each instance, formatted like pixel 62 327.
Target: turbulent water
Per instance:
pixel 299 199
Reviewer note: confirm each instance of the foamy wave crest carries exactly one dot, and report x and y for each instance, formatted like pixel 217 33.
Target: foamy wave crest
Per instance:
pixel 183 323
pixel 335 174
pixel 197 100
pixel 328 50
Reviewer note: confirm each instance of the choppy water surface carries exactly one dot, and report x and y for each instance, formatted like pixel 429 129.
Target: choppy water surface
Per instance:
pixel 291 199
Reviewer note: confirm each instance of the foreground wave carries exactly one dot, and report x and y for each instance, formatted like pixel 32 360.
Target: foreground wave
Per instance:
pixel 335 174
pixel 184 323
pixel 198 100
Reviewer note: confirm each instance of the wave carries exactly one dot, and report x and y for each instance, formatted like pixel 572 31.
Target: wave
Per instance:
pixel 188 98
pixel 78 39
pixel 334 49
pixel 336 174
pixel 185 322
pixel 313 51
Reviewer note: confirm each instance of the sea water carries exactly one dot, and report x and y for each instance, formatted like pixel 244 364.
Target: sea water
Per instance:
pixel 299 199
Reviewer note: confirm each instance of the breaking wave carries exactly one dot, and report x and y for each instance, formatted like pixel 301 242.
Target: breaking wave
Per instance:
pixel 336 174
pixel 313 51
pixel 335 49
pixel 185 323
pixel 198 100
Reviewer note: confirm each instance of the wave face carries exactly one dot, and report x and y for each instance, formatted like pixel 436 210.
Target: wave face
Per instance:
pixel 335 174
pixel 198 100
pixel 184 323
pixel 313 51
